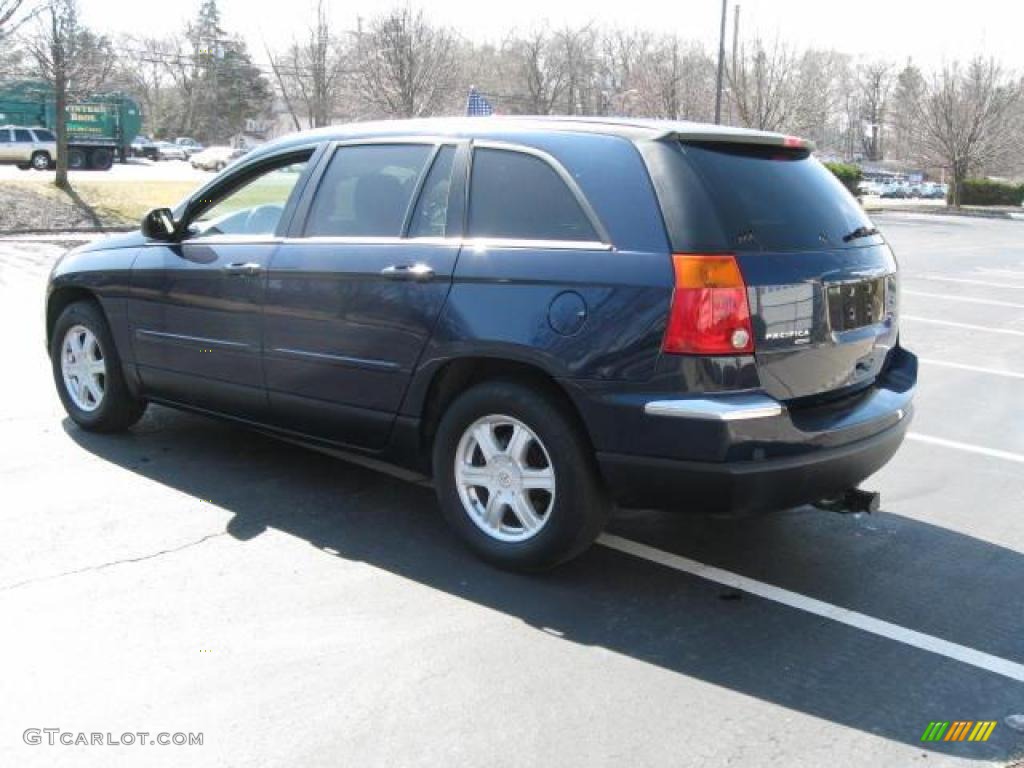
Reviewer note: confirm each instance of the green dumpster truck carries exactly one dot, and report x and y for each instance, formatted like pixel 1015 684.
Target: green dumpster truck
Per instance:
pixel 100 128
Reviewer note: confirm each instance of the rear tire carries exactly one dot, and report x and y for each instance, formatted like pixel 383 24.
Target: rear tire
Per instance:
pixel 87 371
pixel 101 159
pixel 537 500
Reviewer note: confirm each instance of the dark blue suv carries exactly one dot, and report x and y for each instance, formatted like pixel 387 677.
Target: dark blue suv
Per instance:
pixel 544 315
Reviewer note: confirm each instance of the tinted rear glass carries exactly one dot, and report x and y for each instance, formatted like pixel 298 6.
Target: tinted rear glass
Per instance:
pixel 520 196
pixel 776 199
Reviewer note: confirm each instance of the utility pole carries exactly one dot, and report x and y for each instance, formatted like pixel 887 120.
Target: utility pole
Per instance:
pixel 735 49
pixel 721 65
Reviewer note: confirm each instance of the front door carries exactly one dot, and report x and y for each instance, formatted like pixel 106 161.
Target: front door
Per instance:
pixel 353 296
pixel 196 307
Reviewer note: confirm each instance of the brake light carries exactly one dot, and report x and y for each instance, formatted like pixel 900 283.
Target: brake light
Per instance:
pixel 793 141
pixel 709 314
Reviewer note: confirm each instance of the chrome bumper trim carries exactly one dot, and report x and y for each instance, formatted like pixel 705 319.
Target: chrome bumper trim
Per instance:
pixel 721 408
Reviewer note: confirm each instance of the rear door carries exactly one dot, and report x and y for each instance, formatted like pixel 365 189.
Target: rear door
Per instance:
pixel 354 292
pixel 23 145
pixel 821 281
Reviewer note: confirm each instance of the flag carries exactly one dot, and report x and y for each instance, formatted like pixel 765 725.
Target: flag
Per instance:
pixel 477 105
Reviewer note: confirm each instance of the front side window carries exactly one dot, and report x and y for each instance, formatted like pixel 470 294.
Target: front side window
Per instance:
pixel 520 196
pixel 255 208
pixel 22 136
pixel 44 135
pixel 366 190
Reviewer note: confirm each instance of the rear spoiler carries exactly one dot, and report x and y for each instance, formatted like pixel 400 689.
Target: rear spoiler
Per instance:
pixel 740 137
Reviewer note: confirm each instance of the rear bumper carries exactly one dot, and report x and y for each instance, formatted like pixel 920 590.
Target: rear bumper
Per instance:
pixel 744 487
pixel 746 452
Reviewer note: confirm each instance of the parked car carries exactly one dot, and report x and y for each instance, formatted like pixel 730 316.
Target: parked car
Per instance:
pixel 897 191
pixel 143 146
pixel 215 158
pixel 27 147
pixel 191 146
pixel 166 150
pixel 544 315
pixel 933 191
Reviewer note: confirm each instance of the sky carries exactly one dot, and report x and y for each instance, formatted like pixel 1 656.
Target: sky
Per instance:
pixel 929 32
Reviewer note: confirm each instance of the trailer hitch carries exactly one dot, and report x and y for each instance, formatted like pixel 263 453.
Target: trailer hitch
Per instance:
pixel 851 501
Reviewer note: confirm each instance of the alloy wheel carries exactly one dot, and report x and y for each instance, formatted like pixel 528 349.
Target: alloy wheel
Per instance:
pixel 505 478
pixel 84 368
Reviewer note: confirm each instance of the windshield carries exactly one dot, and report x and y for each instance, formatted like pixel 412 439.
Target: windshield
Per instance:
pixel 776 199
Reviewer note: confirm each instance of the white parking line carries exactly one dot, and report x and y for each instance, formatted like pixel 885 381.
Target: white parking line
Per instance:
pixel 994 453
pixel 861 621
pixel 964 280
pixel 974 368
pixel 967 326
pixel 1002 272
pixel 968 299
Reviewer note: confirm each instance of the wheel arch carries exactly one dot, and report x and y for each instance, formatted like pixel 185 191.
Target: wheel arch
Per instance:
pixel 456 375
pixel 60 299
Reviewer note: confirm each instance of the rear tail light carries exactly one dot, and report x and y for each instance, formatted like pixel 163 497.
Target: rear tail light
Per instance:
pixel 709 314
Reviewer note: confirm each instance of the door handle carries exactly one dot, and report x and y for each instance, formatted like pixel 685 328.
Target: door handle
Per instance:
pixel 408 272
pixel 248 268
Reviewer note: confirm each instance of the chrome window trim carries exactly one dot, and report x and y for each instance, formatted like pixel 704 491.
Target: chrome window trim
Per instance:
pixel 717 408
pixel 484 243
pixel 476 244
pixel 557 167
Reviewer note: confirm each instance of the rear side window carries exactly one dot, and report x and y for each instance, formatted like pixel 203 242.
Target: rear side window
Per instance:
pixel 431 215
pixel 775 199
pixel 21 135
pixel 517 195
pixel 366 190
pixel 5 136
pixel 42 135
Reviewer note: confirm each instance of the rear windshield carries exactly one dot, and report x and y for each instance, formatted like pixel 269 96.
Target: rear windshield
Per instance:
pixel 776 199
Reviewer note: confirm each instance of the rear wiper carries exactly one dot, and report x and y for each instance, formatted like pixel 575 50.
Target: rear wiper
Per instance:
pixel 860 232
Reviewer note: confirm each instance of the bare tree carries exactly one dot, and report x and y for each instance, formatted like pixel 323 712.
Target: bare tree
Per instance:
pixel 875 85
pixel 72 60
pixel 575 51
pixel 966 118
pixel 406 67
pixel 540 71
pixel 311 73
pixel 622 53
pixel 146 70
pixel 761 85
pixel 14 13
pixel 676 80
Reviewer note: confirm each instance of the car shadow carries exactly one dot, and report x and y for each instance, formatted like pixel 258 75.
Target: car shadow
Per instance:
pixel 917 575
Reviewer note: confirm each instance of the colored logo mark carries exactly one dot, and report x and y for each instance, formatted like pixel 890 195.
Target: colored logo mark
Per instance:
pixel 958 730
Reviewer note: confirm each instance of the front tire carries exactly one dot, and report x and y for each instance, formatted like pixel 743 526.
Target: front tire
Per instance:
pixel 76 159
pixel 516 478
pixel 87 371
pixel 41 161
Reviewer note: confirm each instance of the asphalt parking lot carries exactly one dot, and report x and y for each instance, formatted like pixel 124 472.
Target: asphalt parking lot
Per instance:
pixel 299 611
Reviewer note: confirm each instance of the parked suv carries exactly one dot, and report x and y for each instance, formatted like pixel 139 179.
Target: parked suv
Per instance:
pixel 544 315
pixel 27 147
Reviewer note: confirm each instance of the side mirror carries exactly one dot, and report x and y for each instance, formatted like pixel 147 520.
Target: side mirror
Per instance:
pixel 158 224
